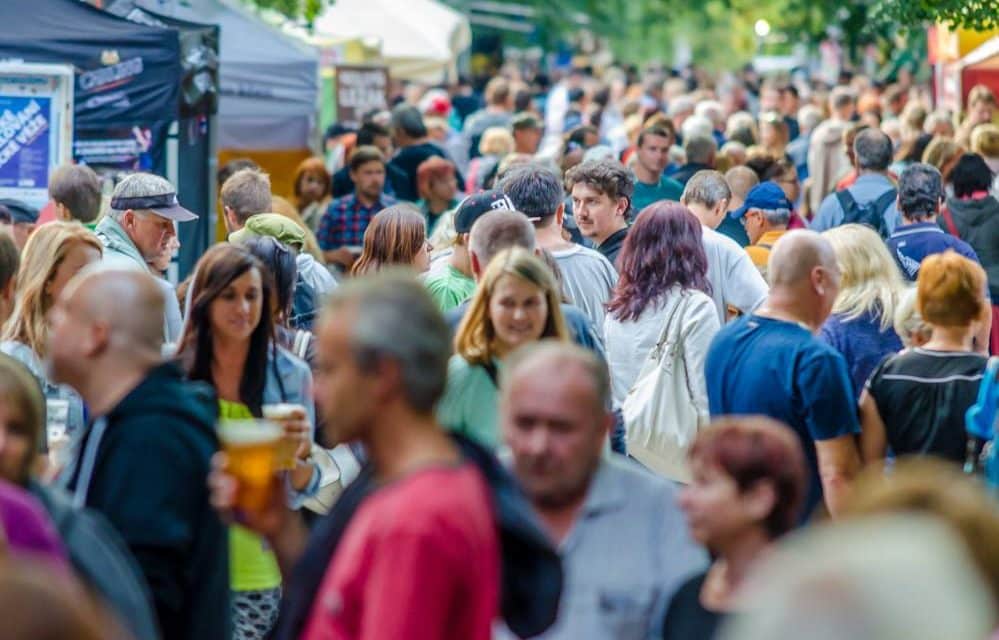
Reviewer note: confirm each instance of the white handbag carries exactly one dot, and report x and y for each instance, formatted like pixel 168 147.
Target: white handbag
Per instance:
pixel 660 412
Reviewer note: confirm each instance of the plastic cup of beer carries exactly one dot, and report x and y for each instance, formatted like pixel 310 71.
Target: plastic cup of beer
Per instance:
pixel 251 449
pixel 288 446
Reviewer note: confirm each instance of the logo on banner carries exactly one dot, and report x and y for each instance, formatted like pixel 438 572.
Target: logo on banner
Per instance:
pixel 110 76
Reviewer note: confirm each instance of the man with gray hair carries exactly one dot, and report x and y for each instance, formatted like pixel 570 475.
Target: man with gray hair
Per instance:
pixel 734 281
pixel 871 200
pixel 140 226
pixel 765 216
pixel 920 196
pixel 827 160
pixel 771 363
pixel 620 533
pixel 414 147
pixel 700 150
pixel 587 275
pixel 434 567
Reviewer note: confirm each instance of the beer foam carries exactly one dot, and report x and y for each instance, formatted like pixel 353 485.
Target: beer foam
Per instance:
pixel 245 432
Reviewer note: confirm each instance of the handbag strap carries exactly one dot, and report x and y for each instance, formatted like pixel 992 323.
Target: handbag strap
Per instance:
pixel 664 336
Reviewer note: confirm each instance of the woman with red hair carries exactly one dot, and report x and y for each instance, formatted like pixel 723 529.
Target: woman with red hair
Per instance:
pixel 437 183
pixel 313 185
pixel 747 490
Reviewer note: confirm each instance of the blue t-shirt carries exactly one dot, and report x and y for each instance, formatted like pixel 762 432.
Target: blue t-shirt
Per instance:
pixel 763 366
pixel 862 342
pixel 912 242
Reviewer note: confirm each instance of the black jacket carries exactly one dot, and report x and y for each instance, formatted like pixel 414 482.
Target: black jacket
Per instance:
pixel 611 247
pixel 977 222
pixel 530 566
pixel 149 481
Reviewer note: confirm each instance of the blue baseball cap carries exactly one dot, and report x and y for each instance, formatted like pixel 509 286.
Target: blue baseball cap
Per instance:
pixel 766 195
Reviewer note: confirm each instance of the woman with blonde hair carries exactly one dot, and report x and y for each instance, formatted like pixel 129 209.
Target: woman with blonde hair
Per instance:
pixel 52 256
pixel 915 401
pixel 943 153
pixel 871 287
pixel 396 236
pixel 495 144
pixel 517 301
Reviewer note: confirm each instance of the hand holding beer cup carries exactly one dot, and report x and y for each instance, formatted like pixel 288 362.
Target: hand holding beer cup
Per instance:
pixel 251 449
pixel 225 492
pixel 297 439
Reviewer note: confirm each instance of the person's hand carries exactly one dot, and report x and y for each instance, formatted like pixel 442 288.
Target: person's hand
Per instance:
pixel 343 256
pixel 223 490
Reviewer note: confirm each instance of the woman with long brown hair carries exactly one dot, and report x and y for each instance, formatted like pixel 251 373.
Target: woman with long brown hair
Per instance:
pixel 397 235
pixel 228 342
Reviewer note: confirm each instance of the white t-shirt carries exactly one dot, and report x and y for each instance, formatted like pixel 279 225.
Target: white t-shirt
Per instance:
pixel 734 279
pixel 588 278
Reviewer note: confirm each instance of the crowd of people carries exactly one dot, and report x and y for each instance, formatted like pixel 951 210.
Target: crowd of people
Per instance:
pixel 608 357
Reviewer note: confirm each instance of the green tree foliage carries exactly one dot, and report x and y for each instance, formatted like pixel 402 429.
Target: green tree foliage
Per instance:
pixel 293 9
pixel 977 15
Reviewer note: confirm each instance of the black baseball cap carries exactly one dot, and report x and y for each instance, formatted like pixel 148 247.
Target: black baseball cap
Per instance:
pixel 475 205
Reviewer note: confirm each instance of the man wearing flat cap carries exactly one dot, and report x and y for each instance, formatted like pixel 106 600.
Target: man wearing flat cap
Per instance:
pixel 140 226
pixel 19 219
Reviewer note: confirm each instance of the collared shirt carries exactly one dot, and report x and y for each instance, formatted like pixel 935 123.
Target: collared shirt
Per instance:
pixel 626 554
pixel 346 220
pixel 913 242
pixel 868 188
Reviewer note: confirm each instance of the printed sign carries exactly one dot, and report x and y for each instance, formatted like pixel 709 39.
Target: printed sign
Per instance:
pixel 24 141
pixel 360 90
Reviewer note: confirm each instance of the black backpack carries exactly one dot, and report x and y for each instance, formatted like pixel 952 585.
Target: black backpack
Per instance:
pixel 870 213
pixel 103 562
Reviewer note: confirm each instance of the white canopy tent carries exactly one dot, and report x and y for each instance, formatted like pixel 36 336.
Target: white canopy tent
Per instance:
pixel 420 39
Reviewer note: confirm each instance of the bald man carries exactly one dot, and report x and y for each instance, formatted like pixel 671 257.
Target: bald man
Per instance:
pixel 623 541
pixel 770 363
pixel 144 460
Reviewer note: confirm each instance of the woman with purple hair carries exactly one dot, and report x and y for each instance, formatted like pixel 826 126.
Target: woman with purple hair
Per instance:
pixel 661 308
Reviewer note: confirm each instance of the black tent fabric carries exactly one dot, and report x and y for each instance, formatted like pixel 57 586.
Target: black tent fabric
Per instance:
pixel 126 74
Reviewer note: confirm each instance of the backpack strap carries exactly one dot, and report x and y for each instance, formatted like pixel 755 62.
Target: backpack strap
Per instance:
pixel 846 201
pixel 491 371
pixel 884 201
pixel 949 221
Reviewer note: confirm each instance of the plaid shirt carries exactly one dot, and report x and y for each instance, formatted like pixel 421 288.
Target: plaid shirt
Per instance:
pixel 345 221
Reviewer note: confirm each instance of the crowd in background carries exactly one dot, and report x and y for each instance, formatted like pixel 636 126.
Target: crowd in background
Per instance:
pixel 599 355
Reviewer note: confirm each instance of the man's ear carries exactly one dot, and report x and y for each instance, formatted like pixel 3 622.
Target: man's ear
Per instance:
pixel 560 213
pixel 622 206
pixel 476 265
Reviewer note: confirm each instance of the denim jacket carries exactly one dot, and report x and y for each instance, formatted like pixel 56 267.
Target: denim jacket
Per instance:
pixel 23 354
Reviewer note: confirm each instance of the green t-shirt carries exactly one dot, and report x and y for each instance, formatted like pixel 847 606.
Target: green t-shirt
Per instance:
pixel 252 565
pixel 469 403
pixel 646 194
pixel 449 287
